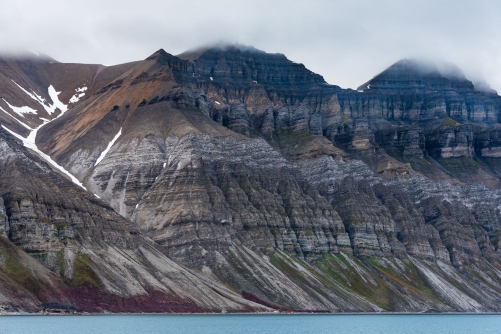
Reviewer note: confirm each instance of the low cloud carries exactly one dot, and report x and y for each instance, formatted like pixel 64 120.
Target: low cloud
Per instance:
pixel 347 42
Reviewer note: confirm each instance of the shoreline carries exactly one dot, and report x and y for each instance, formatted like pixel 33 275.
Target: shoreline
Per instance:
pixel 246 313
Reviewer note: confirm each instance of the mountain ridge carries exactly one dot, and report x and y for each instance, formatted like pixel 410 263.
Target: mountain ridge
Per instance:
pixel 248 171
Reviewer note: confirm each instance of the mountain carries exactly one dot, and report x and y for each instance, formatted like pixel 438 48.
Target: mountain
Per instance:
pixel 63 249
pixel 252 175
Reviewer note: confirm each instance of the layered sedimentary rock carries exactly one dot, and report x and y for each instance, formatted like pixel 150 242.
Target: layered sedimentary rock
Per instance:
pixel 84 256
pixel 293 194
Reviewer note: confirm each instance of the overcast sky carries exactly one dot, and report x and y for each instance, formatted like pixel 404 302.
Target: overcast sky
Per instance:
pixel 347 42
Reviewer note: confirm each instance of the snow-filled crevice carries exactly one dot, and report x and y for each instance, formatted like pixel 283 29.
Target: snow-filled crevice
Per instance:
pixel 30 143
pixel 31 94
pixel 26 126
pixel 103 154
pixel 21 110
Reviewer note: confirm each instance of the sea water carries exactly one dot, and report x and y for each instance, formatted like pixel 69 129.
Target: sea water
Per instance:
pixel 247 324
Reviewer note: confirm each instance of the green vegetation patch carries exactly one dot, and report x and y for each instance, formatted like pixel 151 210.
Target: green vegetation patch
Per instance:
pixel 282 263
pixel 83 274
pixel 15 267
pixel 408 278
pixel 342 271
pixel 37 254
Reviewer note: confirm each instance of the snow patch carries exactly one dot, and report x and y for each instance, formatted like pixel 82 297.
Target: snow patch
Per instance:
pixel 211 79
pixel 97 196
pixel 164 164
pixel 21 110
pixel 26 126
pixel 217 102
pixel 137 205
pixel 254 81
pixel 35 53
pixel 75 98
pixel 54 97
pixel 103 154
pixel 80 93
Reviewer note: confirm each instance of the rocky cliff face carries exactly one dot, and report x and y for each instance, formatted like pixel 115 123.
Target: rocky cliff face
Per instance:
pixel 84 256
pixel 256 175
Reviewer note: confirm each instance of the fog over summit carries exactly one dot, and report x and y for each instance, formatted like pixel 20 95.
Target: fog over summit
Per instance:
pixel 345 41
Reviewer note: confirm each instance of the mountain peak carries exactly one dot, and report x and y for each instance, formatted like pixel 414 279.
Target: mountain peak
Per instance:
pixel 426 67
pixel 419 74
pixel 159 55
pixel 195 53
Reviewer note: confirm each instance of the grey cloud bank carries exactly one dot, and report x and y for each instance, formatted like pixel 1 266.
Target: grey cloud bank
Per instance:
pixel 347 42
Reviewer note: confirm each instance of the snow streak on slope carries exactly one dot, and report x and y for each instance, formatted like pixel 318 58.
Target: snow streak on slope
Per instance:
pixel 21 110
pixel 103 154
pixel 48 107
pixel 29 142
pixel 31 94
pixel 26 126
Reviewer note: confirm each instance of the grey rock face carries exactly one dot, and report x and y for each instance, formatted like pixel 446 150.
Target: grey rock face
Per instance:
pixel 402 141
pixel 488 217
pixel 206 201
pixel 488 143
pixel 420 240
pixel 252 171
pixel 82 247
pixel 451 141
pixel 238 198
pixel 4 227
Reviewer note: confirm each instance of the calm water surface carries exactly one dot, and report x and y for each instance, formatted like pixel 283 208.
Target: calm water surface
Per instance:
pixel 247 324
